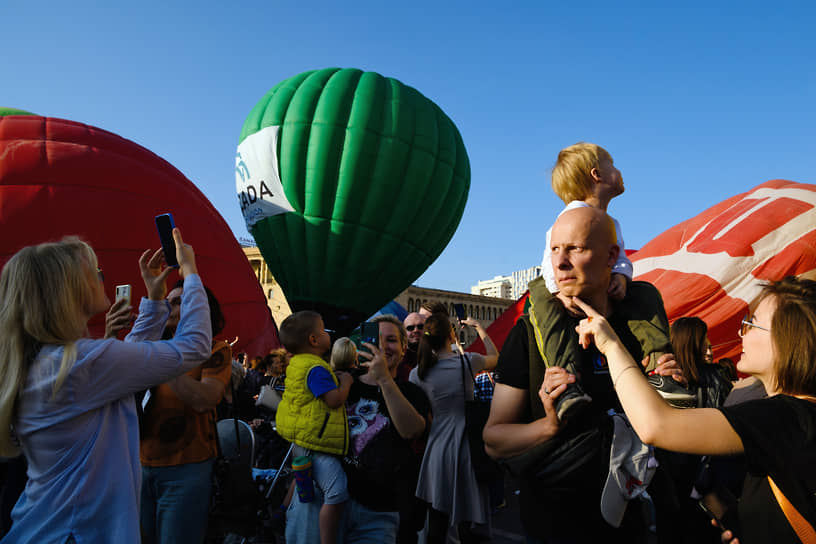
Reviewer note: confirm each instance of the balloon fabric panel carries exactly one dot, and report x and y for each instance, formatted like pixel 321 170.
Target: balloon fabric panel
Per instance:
pixel 60 177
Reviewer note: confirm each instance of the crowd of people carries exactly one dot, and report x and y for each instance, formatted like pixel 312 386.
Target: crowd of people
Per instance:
pixel 616 425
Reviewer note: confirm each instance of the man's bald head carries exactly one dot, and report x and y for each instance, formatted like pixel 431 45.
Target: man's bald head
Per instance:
pixel 584 249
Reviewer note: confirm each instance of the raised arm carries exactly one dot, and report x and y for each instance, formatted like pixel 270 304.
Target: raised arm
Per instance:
pixel 491 353
pixel 407 421
pixel 696 431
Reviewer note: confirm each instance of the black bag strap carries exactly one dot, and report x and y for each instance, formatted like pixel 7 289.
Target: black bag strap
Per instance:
pixel 234 420
pixel 472 377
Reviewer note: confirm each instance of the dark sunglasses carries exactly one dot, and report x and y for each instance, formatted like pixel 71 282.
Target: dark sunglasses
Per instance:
pixel 419 327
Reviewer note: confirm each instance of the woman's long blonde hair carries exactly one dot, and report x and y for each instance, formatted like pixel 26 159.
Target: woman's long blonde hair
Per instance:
pixel 44 298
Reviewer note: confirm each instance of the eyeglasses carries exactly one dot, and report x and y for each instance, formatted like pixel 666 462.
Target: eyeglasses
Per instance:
pixel 419 327
pixel 100 274
pixel 748 322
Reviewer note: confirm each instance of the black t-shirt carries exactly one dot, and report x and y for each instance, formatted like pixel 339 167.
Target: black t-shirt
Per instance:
pixel 571 512
pixel 381 465
pixel 513 369
pixel 779 437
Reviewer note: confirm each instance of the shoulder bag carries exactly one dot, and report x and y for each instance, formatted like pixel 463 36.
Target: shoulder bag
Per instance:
pixel 476 414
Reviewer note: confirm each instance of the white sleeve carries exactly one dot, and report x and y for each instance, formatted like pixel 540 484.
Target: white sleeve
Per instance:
pixel 623 265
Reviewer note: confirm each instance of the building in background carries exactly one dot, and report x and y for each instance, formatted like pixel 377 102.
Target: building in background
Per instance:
pixel 484 308
pixel 271 288
pixel 498 287
pixel 520 279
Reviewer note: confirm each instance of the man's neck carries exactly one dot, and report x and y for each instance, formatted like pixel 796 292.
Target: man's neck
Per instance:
pixel 600 303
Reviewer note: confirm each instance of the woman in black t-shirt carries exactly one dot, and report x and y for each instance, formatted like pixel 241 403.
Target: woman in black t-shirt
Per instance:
pixel 777 434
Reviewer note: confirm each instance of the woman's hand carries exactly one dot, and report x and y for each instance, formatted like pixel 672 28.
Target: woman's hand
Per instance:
pixel 594 328
pixel 153 275
pixel 185 255
pixel 470 321
pixel 119 317
pixel 377 365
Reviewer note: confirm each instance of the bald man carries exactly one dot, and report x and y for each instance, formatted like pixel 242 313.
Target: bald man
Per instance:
pixel 542 354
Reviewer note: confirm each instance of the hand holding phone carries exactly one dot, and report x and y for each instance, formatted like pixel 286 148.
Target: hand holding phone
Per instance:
pixel 165 226
pixel 123 292
pixel 460 311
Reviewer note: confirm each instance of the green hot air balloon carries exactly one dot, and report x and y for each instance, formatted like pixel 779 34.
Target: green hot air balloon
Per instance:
pixel 13 111
pixel 352 184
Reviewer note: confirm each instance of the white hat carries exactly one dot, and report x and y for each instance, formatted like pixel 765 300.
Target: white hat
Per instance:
pixel 631 467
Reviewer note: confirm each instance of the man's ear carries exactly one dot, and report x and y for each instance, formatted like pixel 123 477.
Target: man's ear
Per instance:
pixel 313 339
pixel 614 253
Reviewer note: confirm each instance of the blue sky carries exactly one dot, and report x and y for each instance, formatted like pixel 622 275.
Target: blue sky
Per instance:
pixel 696 102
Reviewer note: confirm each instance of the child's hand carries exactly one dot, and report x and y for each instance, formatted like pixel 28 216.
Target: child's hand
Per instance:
pixel 617 287
pixel 343 377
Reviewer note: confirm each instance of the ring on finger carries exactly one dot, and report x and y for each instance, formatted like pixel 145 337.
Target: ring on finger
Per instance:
pixel 546 391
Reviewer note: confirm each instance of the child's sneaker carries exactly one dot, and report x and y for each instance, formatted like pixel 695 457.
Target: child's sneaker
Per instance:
pixel 571 401
pixel 674 393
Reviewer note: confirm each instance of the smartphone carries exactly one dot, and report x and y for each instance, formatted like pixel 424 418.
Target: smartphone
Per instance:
pixel 370 332
pixel 123 292
pixel 721 506
pixel 460 311
pixel 165 226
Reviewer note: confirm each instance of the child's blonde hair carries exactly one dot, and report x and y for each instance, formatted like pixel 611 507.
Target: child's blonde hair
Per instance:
pixel 571 175
pixel 343 354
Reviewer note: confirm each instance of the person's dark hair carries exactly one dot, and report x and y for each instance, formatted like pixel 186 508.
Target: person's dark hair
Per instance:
pixel 435 307
pixel 295 330
pixel 268 361
pixel 216 315
pixel 689 340
pixel 436 334
pixel 793 333
pixel 729 369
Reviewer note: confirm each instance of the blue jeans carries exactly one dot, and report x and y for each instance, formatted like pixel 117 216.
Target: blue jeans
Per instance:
pixel 359 525
pixel 175 502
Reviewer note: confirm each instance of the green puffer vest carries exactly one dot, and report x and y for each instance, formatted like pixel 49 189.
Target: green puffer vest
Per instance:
pixel 306 420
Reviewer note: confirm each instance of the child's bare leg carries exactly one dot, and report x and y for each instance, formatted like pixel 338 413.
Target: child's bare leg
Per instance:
pixel 329 520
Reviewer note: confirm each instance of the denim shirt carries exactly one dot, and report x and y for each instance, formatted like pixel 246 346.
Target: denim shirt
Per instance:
pixel 82 443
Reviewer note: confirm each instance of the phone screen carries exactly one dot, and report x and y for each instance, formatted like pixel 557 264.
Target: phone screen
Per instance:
pixel 370 332
pixel 460 311
pixel 165 226
pixel 123 291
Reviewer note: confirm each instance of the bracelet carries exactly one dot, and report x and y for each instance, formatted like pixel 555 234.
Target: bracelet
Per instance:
pixel 622 372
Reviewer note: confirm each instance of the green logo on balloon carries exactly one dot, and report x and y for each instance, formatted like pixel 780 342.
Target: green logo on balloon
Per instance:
pixel 352 184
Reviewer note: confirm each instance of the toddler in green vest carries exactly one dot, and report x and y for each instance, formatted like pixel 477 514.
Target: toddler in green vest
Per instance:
pixel 312 413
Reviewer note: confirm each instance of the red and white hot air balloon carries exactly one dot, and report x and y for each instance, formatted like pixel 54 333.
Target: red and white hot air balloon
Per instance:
pixel 712 265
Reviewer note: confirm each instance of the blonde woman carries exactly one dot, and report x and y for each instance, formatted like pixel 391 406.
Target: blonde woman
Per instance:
pixel 67 402
pixel 776 434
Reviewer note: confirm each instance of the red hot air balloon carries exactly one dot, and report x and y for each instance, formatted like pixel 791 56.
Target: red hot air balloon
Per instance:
pixel 712 265
pixel 61 177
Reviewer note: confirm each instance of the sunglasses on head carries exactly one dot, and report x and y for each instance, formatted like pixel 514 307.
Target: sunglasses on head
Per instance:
pixel 419 327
